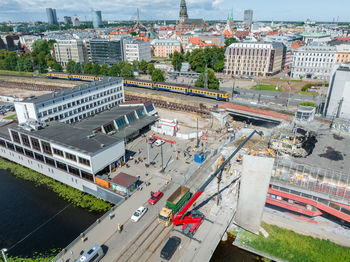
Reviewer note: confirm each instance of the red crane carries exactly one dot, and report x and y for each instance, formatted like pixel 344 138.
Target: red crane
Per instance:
pixel 191 220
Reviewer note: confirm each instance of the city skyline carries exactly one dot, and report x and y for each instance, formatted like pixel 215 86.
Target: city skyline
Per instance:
pixel 34 10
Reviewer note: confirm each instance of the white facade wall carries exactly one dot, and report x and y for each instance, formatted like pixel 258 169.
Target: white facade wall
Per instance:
pixel 66 50
pixel 138 51
pixel 314 62
pixel 86 104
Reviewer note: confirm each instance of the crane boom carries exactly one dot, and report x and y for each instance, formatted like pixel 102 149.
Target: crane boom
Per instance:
pixel 181 217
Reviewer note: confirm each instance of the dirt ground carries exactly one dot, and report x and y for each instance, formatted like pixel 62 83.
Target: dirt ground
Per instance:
pixel 40 81
pixel 20 92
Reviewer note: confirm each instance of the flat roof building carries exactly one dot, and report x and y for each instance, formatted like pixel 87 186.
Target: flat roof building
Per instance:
pixel 105 51
pixel 72 104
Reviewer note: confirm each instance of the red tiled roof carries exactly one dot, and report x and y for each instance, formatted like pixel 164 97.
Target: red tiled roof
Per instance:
pixel 345 39
pixel 256 111
pixel 124 180
pixel 297 44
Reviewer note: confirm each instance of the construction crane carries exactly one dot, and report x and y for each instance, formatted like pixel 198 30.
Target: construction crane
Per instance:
pixel 191 220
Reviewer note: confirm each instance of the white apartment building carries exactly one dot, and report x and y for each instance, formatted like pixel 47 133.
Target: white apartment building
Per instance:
pixel 135 50
pixel 66 50
pixel 253 59
pixel 315 61
pixel 28 40
pixel 73 104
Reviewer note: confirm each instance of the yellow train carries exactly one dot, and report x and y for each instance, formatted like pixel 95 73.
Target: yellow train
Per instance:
pixel 174 88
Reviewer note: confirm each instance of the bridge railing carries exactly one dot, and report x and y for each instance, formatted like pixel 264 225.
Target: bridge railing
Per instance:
pixel 333 184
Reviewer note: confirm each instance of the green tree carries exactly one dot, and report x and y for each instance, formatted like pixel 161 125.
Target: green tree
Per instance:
pixel 104 70
pixel 88 68
pixel 197 60
pixel 77 68
pixel 114 70
pixel 143 66
pixel 213 82
pixel 176 60
pixel 187 56
pixel 70 68
pixel 230 41
pixel 96 69
pixel 157 75
pixel 219 66
pixel 127 71
pixel 135 65
pixel 57 67
pixel 150 68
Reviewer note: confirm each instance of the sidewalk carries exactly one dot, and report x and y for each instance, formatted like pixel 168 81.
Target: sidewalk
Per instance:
pixel 107 227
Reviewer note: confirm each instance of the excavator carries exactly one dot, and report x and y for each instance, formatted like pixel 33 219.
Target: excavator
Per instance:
pixel 191 220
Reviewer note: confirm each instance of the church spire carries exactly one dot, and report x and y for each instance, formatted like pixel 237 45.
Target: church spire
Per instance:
pixel 183 11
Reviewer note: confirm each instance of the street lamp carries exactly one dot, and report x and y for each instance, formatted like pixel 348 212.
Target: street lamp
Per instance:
pixel 288 95
pixel 3 254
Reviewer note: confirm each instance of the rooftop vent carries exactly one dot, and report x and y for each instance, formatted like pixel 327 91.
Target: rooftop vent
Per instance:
pixel 91 136
pixel 103 145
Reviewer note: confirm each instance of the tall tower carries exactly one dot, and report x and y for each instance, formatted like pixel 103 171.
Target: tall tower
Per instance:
pixel 183 11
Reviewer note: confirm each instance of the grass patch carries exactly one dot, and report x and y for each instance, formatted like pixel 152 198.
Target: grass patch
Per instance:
pixel 308 104
pixel 36 257
pixel 290 246
pixel 266 88
pixel 70 194
pixel 16 73
pixel 11 117
pixel 307 86
pixel 308 93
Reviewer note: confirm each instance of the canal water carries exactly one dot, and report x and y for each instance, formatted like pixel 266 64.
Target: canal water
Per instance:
pixel 33 214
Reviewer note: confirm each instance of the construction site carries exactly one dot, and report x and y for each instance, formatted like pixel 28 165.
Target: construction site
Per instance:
pixel 214 155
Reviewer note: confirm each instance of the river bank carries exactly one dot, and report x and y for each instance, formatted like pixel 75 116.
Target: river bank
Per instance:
pixel 72 195
pixel 35 223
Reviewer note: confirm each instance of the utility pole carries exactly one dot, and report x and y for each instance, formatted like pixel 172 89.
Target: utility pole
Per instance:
pixel 206 77
pixel 197 134
pixel 161 154
pixel 3 254
pixel 219 175
pixel 233 89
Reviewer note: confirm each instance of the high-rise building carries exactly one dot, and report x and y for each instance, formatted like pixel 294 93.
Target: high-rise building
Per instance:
pixel 183 11
pixel 338 97
pixel 248 17
pixel 66 50
pixel 253 59
pixel 75 20
pixel 97 19
pixel 51 16
pixel 67 20
pixel 105 51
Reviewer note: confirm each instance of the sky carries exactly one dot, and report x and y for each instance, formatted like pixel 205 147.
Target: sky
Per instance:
pixel 276 10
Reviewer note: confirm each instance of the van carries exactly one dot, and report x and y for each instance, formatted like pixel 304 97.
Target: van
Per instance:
pixel 94 254
pixel 170 248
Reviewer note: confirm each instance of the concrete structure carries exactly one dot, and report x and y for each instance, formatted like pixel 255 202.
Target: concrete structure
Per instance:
pixel 67 50
pixel 305 113
pixel 96 19
pixel 248 17
pixel 105 51
pixel 314 61
pixel 67 20
pixel 315 37
pixel 72 104
pixel 135 50
pixel 163 48
pixel 253 59
pixel 255 181
pixel 338 96
pixel 183 12
pixel 51 16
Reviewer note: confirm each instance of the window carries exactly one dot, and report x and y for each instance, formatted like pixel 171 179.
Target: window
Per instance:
pixel 71 157
pixel 10 146
pixel 73 170
pixel 131 117
pixel 35 144
pixel 121 122
pixel 50 161
pixel 57 152
pixel 2 143
pixel 61 166
pixel 29 153
pixel 87 176
pixel 84 161
pixel 15 137
pixel 46 147
pixel 39 157
pixel 19 150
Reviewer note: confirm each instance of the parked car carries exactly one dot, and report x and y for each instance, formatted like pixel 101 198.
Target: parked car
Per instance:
pixel 170 247
pixel 151 140
pixel 155 197
pixel 159 142
pixel 94 254
pixel 138 214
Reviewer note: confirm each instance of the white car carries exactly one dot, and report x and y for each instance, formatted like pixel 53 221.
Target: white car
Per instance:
pixel 159 142
pixel 138 214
